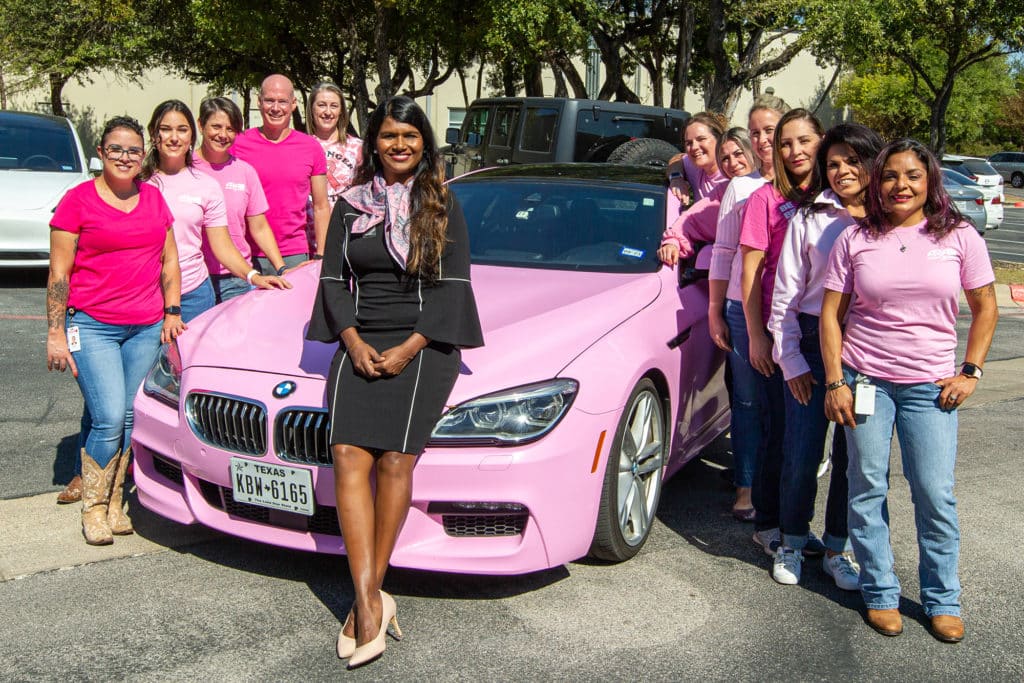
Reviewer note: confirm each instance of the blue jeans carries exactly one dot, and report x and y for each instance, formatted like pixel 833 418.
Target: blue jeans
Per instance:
pixel 227 287
pixel 112 363
pixel 199 300
pixel 746 425
pixel 927 436
pixel 802 447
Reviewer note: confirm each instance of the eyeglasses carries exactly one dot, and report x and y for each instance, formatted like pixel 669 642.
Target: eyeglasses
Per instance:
pixel 118 152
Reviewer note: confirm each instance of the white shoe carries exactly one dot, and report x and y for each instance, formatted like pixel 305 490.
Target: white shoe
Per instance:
pixel 769 540
pixel 786 569
pixel 843 569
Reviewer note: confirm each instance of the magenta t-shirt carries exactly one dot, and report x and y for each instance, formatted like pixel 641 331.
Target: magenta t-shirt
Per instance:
pixel 243 197
pixel 285 169
pixel 196 202
pixel 765 220
pixel 115 277
pixel 901 326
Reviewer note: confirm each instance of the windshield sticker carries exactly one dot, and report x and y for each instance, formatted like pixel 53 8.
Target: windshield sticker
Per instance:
pixel 648 201
pixel 634 253
pixel 523 215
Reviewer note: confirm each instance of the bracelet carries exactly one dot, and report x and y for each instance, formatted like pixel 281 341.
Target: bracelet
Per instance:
pixel 832 386
pixel 318 257
pixel 280 271
pixel 251 274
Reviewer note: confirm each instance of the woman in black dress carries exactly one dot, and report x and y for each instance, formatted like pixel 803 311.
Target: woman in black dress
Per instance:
pixel 395 289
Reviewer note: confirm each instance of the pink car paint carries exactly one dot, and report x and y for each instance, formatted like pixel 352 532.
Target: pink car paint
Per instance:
pixel 606 331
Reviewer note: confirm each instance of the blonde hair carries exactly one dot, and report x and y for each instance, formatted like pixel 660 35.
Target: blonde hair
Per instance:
pixel 327 86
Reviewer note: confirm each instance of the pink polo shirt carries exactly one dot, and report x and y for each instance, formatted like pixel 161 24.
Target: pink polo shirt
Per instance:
pixel 243 197
pixel 196 202
pixel 115 277
pixel 901 325
pixel 764 225
pixel 285 169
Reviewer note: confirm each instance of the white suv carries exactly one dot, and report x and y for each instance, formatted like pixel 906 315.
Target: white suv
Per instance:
pixel 988 181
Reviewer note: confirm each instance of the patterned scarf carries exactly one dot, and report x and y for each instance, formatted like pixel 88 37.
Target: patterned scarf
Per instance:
pixel 378 203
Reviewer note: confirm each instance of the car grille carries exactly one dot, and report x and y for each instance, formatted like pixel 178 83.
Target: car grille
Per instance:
pixel 484 525
pixel 302 436
pixel 226 422
pixel 169 470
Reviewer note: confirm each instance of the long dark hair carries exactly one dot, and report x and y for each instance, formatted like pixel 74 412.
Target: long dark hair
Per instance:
pixel 152 161
pixel 428 225
pixel 940 213
pixel 782 180
pixel 861 139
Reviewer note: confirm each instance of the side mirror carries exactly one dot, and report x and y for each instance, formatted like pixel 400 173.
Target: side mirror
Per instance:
pixel 451 136
pixel 95 165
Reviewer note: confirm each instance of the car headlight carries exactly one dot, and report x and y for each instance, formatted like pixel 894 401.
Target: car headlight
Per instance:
pixel 509 417
pixel 164 380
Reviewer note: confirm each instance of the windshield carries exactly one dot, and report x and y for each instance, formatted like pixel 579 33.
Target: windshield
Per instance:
pixel 563 224
pixel 29 144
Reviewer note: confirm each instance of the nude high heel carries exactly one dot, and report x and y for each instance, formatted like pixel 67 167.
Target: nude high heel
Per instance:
pixel 346 645
pixel 375 648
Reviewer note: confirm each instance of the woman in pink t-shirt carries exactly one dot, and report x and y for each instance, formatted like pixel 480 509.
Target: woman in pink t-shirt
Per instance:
pixel 765 217
pixel 197 203
pixel 221 120
pixel 696 172
pixel 896 280
pixel 112 297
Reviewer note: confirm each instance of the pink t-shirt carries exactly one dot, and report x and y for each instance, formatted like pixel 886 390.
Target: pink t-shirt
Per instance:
pixel 285 169
pixel 764 225
pixel 197 203
pixel 243 197
pixel 701 184
pixel 901 326
pixel 115 277
pixel 699 223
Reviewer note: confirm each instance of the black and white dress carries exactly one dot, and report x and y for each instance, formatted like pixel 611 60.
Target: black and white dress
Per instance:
pixel 362 286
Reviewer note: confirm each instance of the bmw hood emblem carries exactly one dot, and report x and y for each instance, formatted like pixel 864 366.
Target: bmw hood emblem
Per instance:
pixel 284 389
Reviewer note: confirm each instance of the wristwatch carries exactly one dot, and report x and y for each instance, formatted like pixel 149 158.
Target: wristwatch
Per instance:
pixel 971 370
pixel 172 310
pixel 832 386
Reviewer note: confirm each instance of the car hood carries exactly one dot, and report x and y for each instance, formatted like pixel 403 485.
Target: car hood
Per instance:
pixel 535 322
pixel 31 190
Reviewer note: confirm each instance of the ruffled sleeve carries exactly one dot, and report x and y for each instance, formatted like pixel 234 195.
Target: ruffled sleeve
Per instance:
pixel 449 312
pixel 333 309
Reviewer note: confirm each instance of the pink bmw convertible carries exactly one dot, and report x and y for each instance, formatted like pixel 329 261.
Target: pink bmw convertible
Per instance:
pixel 598 381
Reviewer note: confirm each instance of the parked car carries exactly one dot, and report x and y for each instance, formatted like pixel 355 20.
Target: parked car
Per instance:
pixel 1010 165
pixel 985 179
pixel 598 380
pixel 500 131
pixel 967 197
pixel 40 159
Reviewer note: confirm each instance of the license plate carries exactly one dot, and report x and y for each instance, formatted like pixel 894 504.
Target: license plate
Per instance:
pixel 272 486
pixel 961 206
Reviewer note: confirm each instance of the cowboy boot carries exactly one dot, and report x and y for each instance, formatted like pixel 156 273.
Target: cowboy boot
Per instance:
pixel 117 518
pixel 96 483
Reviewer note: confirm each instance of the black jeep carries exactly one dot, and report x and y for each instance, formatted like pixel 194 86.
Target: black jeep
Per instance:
pixel 525 130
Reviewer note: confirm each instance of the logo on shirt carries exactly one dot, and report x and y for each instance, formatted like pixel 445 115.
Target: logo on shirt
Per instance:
pixel 943 254
pixel 237 187
pixel 190 199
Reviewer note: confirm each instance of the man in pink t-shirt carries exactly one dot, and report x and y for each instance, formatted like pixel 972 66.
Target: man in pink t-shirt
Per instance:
pixel 292 168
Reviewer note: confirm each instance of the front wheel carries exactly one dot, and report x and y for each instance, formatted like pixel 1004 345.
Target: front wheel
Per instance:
pixel 632 478
pixel 1017 180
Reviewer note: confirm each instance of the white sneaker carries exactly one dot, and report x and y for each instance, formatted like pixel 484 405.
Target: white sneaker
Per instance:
pixel 786 569
pixel 769 540
pixel 843 569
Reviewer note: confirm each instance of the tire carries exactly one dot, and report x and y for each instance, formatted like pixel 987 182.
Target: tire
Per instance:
pixel 624 521
pixel 1017 179
pixel 644 152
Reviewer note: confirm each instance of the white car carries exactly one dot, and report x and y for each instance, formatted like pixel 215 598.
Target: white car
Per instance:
pixel 986 179
pixel 41 158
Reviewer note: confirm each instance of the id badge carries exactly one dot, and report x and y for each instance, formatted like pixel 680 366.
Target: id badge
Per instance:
pixel 74 340
pixel 864 399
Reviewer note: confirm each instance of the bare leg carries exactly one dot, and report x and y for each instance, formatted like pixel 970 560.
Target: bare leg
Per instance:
pixel 394 494
pixel 352 467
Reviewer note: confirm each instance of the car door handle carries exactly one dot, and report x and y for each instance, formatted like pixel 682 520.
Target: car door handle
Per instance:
pixel 501 162
pixel 477 157
pixel 680 338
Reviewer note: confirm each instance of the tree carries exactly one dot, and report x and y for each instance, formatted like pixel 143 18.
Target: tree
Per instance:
pixel 69 40
pixel 961 32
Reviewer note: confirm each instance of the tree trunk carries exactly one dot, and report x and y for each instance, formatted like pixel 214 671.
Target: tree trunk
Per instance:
pixel 480 80
pixel 246 105
pixel 3 91
pixel 57 82
pixel 533 79
pixel 684 54
pixel 937 132
pixel 572 76
pixel 465 90
pixel 560 88
pixel 382 55
pixel 508 77
pixel 359 90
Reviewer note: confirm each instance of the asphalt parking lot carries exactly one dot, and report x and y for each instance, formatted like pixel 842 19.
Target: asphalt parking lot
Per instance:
pixel 174 603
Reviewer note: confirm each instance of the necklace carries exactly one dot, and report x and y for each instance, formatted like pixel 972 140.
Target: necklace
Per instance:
pixel 903 247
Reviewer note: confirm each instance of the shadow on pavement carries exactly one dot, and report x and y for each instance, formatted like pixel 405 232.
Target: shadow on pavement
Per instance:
pixel 65 460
